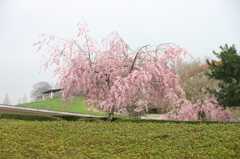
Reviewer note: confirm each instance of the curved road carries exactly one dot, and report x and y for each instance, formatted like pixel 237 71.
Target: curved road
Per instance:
pixel 25 110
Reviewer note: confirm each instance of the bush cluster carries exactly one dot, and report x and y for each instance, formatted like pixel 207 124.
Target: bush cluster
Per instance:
pixel 27 117
pixel 64 139
pixel 30 117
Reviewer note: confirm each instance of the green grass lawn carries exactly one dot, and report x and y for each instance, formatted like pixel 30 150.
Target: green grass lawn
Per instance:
pixel 83 140
pixel 77 106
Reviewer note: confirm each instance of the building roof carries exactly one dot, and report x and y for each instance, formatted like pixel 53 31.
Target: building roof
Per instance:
pixel 52 90
pixel 193 72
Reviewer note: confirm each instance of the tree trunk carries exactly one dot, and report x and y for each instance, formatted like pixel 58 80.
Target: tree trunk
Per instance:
pixel 110 115
pixel 202 116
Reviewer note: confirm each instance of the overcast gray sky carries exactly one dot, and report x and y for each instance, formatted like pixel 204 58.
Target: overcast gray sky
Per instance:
pixel 200 26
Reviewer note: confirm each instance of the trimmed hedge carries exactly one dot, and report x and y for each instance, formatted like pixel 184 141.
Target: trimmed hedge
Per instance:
pixel 27 117
pixel 30 117
pixel 68 117
pixel 168 121
pixel 118 140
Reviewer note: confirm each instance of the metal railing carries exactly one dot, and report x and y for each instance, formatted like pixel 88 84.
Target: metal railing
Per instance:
pixel 49 96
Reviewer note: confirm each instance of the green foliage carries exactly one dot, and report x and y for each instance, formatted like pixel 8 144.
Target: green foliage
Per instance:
pixel 229 75
pixel 168 121
pixel 62 139
pixel 68 117
pixel 27 117
pixel 78 118
pixel 30 117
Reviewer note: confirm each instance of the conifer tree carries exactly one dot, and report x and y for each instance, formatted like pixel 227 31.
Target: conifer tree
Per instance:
pixel 24 99
pixel 228 73
pixel 19 101
pixel 7 100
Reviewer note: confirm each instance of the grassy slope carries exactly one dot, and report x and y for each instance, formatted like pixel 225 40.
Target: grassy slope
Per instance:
pixel 77 106
pixel 62 139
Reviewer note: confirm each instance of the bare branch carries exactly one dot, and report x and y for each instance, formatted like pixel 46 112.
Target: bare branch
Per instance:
pixel 135 58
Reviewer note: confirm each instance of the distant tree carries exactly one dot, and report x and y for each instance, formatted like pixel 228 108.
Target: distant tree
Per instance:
pixel 115 77
pixel 19 101
pixel 228 73
pixel 38 88
pixel 24 99
pixel 7 100
pixel 194 81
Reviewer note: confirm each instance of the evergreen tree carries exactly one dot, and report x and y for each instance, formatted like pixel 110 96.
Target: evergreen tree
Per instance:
pixel 7 100
pixel 19 101
pixel 24 99
pixel 228 72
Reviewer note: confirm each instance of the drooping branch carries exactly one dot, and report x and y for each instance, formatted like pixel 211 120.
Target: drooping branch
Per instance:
pixel 135 58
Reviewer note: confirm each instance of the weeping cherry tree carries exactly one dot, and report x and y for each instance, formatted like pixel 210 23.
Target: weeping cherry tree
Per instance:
pixel 112 76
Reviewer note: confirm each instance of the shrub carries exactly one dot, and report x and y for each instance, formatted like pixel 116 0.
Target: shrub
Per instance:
pixel 27 117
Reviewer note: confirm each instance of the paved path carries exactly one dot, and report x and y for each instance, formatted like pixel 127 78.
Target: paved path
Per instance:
pixel 26 110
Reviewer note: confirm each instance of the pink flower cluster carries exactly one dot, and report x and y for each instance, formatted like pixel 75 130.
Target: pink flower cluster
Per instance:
pixel 206 109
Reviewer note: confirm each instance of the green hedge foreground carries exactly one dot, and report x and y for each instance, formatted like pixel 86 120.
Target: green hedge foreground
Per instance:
pixel 67 139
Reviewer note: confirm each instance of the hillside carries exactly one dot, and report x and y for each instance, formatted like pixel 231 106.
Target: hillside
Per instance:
pixel 77 106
